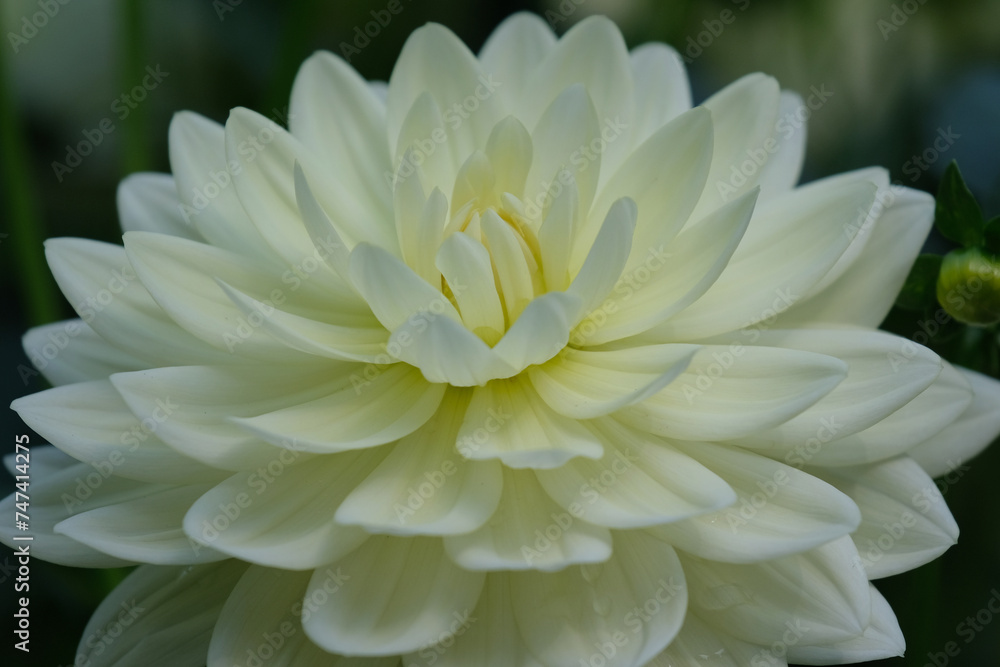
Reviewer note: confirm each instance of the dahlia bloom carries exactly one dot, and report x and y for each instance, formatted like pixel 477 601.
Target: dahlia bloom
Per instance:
pixel 517 361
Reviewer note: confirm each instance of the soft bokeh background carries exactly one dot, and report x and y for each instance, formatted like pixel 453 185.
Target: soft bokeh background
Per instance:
pixel 900 74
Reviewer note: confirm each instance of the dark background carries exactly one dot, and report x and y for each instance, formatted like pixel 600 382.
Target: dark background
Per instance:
pixel 896 84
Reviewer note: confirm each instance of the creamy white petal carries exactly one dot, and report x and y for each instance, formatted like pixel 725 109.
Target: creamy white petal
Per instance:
pixel 968 434
pixel 561 143
pixel 670 278
pixel 191 407
pixel 159 616
pixel 700 643
pixel 435 61
pixel 182 277
pixel 878 383
pixel 819 593
pixel 541 331
pixel 713 399
pixel 513 51
pixel 779 511
pixel 265 183
pixel 489 637
pixel 664 92
pixel 641 481
pixel 282 515
pixel 145 529
pixel 148 202
pixel 262 616
pixel 446 352
pixel 591 53
pixel 101 285
pixel 529 531
pixel 743 115
pixel 791 243
pixel 394 292
pixel 583 384
pixel 782 169
pixel 45 460
pixel 90 422
pixel 399 595
pixel 508 420
pixel 423 487
pixel 638 598
pixel 905 521
pixel 510 152
pixel 59 495
pixel 334 113
pixel 70 351
pixel 370 412
pixel 931 411
pixel 607 257
pixel 665 177
pixel 465 264
pixel 882 639
pixel 204 177
pixel 895 240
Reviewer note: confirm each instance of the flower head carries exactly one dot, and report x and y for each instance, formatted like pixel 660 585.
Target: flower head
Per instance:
pixel 519 360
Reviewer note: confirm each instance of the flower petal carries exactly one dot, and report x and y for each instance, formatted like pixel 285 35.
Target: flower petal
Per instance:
pixel 562 614
pixel 968 434
pixel 146 528
pixel 513 51
pixel 791 243
pixel 70 351
pixel 882 639
pixel 529 531
pixel 259 618
pixel 507 420
pixel 373 412
pixel 159 616
pixel 583 384
pixel 92 423
pixel 59 495
pixel 283 515
pixel 905 522
pixel 148 202
pixel 423 487
pixel 400 595
pixel 698 641
pixel 820 593
pixel 780 510
pixel 711 400
pixel 641 481
pixel 335 113
pixel 665 92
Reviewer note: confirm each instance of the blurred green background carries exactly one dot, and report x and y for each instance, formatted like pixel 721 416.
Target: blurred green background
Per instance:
pixel 900 73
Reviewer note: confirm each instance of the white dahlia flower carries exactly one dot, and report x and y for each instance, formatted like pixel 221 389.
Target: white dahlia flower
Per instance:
pixel 517 361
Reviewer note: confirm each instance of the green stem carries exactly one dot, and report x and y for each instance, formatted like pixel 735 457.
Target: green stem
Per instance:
pixel 20 206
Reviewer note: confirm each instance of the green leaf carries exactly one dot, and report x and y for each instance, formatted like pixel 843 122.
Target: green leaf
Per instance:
pixel 991 235
pixel 957 215
pixel 920 289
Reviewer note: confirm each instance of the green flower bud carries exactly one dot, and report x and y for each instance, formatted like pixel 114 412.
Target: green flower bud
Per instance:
pixel 968 286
